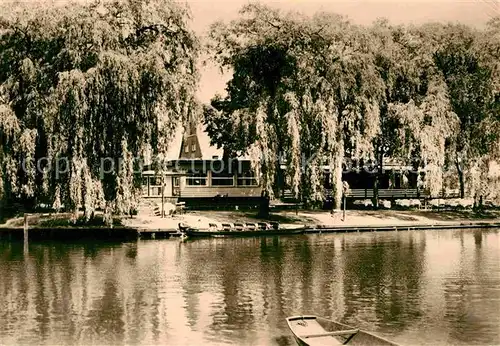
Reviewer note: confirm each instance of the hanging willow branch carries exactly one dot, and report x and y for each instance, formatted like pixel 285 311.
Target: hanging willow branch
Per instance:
pixel 85 103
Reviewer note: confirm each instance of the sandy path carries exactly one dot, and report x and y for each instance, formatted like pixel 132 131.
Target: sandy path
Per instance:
pixel 202 219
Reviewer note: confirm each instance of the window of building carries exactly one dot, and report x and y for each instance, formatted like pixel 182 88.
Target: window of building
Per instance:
pixel 177 182
pixel 154 181
pixel 197 179
pixel 222 179
pixel 247 179
pixel 155 190
pixel 193 147
pixel 186 148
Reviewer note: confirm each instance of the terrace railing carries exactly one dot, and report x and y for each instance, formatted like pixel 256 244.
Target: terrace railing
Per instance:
pixel 384 194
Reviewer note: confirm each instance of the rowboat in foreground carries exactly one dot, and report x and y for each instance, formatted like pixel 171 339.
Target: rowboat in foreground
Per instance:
pixel 317 331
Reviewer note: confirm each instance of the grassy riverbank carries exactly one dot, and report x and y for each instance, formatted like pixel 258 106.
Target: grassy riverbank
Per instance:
pixel 55 220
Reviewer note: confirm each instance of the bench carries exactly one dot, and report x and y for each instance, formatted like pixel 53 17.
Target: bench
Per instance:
pixel 387 193
pixel 335 333
pixel 239 226
pixel 360 193
pixel 399 193
pixel 180 207
pixel 264 226
pixel 251 226
pixel 227 227
pixel 288 194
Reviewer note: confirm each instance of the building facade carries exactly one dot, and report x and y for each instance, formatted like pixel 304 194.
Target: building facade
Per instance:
pixel 196 174
pixel 199 175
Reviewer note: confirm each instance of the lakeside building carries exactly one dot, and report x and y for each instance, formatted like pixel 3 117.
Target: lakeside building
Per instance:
pixel 196 174
pixel 398 180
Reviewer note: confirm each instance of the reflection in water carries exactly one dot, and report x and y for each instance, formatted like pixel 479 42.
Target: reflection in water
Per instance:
pixel 384 281
pixel 433 287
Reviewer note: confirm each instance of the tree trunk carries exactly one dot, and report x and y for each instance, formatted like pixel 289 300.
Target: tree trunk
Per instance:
pixel 378 177
pixel 460 178
pixel 264 209
pixel 280 182
pixel 337 180
pixel 375 191
pixel 74 217
pixel 345 204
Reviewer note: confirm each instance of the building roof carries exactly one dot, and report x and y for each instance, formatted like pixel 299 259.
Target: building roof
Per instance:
pixel 196 144
pixel 197 136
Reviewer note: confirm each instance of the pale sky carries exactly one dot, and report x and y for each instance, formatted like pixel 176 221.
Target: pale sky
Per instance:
pixel 205 12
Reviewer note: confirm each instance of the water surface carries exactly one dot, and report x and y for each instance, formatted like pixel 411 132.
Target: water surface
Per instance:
pixel 416 288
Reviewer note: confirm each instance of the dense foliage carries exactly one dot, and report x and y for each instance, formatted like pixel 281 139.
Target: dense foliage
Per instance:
pixel 84 91
pixel 317 89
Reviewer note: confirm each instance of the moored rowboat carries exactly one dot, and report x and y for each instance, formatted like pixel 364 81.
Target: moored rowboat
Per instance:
pixel 239 230
pixel 310 330
pixel 195 232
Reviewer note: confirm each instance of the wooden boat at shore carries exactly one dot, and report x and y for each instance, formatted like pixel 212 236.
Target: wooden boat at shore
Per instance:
pixel 310 330
pixel 227 231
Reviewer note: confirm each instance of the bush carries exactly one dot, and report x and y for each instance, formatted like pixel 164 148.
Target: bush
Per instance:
pixel 385 204
pixel 97 221
pixel 366 203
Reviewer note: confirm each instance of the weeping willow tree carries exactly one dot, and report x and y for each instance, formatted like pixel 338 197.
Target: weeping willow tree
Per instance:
pixel 441 100
pixel 319 89
pixel 302 91
pixel 469 81
pixel 417 118
pixel 483 171
pixel 84 90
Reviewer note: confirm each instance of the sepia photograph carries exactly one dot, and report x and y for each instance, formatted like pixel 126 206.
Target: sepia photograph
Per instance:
pixel 250 172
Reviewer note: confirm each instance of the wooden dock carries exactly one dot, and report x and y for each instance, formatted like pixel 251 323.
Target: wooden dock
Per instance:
pixel 130 234
pixel 87 233
pixel 387 228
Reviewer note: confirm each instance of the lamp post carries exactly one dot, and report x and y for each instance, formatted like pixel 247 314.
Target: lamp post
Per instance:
pixel 162 194
pixel 381 150
pixel 345 191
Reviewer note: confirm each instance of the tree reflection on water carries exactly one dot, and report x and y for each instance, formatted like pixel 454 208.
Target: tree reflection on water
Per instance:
pixel 239 291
